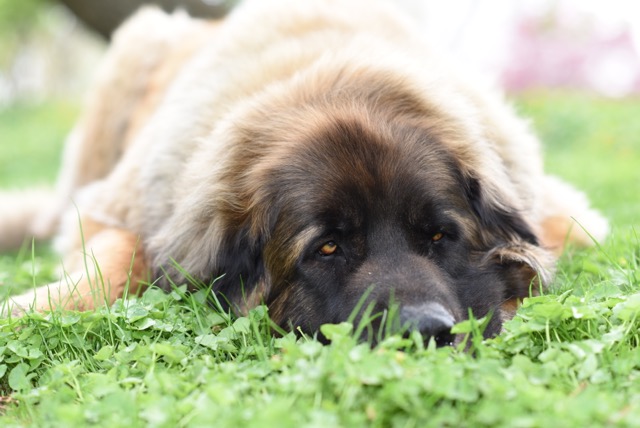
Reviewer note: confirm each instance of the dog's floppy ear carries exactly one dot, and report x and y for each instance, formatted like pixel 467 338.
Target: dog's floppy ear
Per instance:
pixel 497 217
pixel 512 244
pixel 215 247
pixel 240 267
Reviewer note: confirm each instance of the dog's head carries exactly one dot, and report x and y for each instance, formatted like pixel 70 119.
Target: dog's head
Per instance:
pixel 326 208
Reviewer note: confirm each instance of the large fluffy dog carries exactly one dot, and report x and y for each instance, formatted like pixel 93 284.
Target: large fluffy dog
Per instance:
pixel 304 155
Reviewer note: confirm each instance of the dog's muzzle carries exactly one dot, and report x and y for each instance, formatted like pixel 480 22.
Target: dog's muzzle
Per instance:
pixel 432 320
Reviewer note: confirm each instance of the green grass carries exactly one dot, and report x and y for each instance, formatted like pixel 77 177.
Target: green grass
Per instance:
pixel 569 358
pixel 594 144
pixel 31 139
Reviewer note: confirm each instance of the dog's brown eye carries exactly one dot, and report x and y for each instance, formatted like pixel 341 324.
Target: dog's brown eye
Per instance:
pixel 328 249
pixel 438 236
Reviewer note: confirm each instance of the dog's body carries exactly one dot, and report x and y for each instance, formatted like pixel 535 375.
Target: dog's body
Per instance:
pixel 310 152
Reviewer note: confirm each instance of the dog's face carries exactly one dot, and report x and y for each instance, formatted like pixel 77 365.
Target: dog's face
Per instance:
pixel 384 213
pixel 356 193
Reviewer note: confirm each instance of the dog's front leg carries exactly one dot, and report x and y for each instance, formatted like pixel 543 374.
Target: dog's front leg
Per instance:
pixel 113 264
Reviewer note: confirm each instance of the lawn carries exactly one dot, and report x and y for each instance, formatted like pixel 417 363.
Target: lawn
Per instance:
pixel 569 358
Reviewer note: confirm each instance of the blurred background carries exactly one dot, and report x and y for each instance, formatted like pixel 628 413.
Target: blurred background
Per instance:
pixel 573 66
pixel 588 45
pixel 49 48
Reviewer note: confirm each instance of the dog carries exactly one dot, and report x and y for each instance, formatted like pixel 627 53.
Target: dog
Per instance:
pixel 317 157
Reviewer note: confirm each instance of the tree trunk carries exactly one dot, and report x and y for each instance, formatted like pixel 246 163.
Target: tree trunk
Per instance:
pixel 104 16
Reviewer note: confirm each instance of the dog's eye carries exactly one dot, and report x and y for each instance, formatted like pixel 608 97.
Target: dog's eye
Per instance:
pixel 328 249
pixel 438 236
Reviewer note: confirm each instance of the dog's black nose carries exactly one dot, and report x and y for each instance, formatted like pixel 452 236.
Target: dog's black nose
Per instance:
pixel 432 320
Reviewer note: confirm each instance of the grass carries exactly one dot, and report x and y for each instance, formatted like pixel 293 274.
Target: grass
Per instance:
pixel 31 142
pixel 569 358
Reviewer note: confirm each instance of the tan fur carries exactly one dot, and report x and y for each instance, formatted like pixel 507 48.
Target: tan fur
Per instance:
pixel 178 135
pixel 130 84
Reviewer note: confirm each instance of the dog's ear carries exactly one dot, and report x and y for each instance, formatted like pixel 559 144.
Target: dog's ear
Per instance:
pixel 239 268
pixel 526 268
pixel 511 243
pixel 213 251
pixel 498 220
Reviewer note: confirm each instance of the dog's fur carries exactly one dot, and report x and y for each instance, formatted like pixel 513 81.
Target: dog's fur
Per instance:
pixel 250 148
